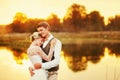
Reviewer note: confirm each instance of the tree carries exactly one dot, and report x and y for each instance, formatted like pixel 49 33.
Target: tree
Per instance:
pixel 114 23
pixel 21 17
pixel 75 17
pixel 18 22
pixel 54 22
pixel 95 21
pixel 30 24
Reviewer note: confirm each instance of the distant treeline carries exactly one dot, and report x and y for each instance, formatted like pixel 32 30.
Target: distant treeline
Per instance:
pixel 76 19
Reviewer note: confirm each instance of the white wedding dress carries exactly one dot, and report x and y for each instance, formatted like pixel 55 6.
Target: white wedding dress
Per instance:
pixel 40 74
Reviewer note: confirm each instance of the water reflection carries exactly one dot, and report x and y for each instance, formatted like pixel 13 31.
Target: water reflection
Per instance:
pixel 114 47
pixel 79 60
pixel 78 55
pixel 9 69
pixel 19 55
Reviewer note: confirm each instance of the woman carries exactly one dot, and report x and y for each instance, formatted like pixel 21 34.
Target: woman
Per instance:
pixel 36 55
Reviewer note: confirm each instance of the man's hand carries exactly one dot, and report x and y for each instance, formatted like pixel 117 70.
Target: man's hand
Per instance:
pixel 37 65
pixel 31 71
pixel 53 42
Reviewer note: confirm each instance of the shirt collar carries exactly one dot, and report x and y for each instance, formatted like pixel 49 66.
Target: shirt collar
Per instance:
pixel 50 37
pixel 46 41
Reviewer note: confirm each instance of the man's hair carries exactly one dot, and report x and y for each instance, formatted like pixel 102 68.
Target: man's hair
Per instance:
pixel 43 24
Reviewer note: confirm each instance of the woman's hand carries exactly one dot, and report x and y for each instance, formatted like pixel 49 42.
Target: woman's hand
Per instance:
pixel 53 42
pixel 31 71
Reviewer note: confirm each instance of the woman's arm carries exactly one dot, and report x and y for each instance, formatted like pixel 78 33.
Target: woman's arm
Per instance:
pixel 49 56
pixel 52 45
pixel 56 60
pixel 31 71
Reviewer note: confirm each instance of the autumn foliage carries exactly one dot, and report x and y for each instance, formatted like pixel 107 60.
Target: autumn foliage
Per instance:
pixel 76 19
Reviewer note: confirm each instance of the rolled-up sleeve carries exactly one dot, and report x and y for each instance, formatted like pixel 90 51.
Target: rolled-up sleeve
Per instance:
pixel 56 60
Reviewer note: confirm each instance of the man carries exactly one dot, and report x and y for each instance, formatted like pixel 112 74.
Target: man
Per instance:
pixel 52 66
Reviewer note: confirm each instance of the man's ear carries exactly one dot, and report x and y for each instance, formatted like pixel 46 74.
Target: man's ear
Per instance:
pixel 48 28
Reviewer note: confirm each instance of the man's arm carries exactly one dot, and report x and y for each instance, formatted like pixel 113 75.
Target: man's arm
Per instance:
pixel 56 60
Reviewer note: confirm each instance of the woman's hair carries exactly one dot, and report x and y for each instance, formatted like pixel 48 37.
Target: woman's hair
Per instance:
pixel 34 36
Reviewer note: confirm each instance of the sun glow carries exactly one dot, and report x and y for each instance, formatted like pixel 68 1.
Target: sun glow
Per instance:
pixel 108 58
pixel 7 57
pixel 33 9
pixel 9 67
pixel 44 8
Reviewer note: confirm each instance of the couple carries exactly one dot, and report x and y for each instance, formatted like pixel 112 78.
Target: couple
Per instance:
pixel 44 53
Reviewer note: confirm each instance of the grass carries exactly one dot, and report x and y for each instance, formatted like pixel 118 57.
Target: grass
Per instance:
pixel 87 37
pixel 15 40
pixel 22 40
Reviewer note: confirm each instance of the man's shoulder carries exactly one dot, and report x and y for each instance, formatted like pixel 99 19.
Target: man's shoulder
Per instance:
pixel 58 41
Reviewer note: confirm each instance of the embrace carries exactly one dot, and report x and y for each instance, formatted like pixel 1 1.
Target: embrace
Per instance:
pixel 44 54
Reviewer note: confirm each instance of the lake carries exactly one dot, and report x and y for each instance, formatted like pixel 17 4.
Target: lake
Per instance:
pixel 83 61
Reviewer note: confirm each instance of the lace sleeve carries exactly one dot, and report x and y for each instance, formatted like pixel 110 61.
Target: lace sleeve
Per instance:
pixel 42 54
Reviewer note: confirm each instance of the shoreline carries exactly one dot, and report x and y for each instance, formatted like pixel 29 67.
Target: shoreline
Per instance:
pixel 65 37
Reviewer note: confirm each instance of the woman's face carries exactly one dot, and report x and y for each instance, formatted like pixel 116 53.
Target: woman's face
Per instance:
pixel 39 41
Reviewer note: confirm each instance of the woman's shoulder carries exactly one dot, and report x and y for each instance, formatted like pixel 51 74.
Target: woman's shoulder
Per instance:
pixel 32 49
pixel 33 46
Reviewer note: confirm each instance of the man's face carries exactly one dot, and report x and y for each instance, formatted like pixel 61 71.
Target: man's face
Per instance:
pixel 43 31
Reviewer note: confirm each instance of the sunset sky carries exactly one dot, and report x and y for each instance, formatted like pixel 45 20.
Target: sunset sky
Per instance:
pixel 43 8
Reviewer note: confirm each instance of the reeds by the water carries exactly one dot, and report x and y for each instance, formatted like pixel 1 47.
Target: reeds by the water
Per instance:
pixel 22 39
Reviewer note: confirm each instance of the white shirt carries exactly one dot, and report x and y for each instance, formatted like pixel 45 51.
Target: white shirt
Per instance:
pixel 57 51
